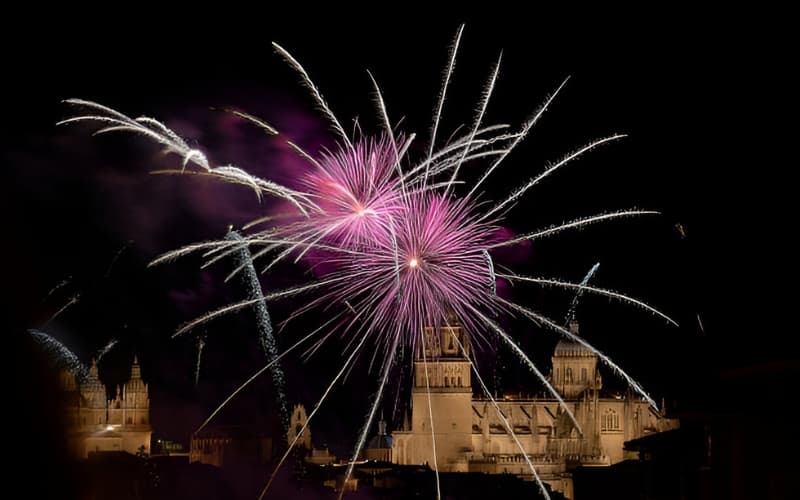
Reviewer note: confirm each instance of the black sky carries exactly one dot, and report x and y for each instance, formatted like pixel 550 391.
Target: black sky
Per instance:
pixel 699 98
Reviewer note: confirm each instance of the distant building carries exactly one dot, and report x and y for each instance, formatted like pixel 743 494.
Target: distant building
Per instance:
pixel 297 421
pixel 298 426
pixel 471 437
pixel 231 445
pixel 96 423
pixel 379 447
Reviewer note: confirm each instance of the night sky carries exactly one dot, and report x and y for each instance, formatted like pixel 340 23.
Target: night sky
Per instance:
pixel 697 99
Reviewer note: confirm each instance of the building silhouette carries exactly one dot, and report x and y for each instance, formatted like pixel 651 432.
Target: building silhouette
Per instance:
pixel 98 423
pixel 471 436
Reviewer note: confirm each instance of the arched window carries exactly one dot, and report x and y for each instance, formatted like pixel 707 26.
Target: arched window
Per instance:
pixel 459 381
pixel 568 376
pixel 583 375
pixel 609 421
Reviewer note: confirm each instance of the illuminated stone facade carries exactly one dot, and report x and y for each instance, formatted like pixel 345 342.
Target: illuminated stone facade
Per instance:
pixel 96 423
pixel 471 437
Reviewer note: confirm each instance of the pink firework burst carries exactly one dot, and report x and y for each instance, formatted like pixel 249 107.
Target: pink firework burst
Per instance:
pixel 356 193
pixel 431 264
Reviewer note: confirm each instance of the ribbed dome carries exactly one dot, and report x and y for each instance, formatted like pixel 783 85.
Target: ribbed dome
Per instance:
pixel 566 347
pixel 380 442
pixel 570 348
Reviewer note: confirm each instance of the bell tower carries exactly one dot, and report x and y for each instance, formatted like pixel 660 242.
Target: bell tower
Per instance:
pixel 297 421
pixel 443 354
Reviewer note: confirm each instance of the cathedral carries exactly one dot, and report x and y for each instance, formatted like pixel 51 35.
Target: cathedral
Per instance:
pixel 471 436
pixel 96 423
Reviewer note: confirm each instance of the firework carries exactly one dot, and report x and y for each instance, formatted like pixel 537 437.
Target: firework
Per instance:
pixel 105 350
pixel 264 324
pixel 402 247
pixel 200 342
pixel 60 354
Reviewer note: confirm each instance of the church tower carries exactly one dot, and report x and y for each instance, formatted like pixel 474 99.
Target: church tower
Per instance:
pixel 136 399
pixel 100 424
pixel 93 401
pixel 297 421
pixel 441 380
pixel 574 367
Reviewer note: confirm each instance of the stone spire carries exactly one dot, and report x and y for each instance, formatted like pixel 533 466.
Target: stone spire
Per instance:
pixel 382 426
pixel 136 371
pixel 93 374
pixel 135 390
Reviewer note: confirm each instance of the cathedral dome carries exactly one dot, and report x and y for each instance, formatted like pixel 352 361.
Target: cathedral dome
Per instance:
pixel 567 347
pixel 571 348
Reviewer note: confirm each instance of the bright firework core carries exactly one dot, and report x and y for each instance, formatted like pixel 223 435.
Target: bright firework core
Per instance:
pixel 412 263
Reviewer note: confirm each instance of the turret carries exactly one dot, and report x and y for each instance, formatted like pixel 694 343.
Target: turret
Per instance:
pixel 574 366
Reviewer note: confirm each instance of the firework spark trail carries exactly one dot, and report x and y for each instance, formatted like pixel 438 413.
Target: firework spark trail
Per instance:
pixel 520 136
pixel 531 366
pixel 53 290
pixel 505 421
pixel 201 343
pixel 116 257
pixel 60 354
pixel 400 382
pixel 387 366
pixel 105 350
pixel 264 323
pixel 114 121
pixel 260 372
pixel 433 165
pixel 492 276
pixel 517 194
pixel 448 73
pixel 289 292
pixel 315 92
pixel 580 287
pixel 573 307
pixel 388 127
pixel 574 224
pixel 70 302
pixel 258 122
pixel 311 415
pixel 576 338
pixel 487 95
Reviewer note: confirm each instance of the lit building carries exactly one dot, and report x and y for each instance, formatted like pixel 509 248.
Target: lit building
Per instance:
pixel 96 423
pixel 471 437
pixel 379 448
